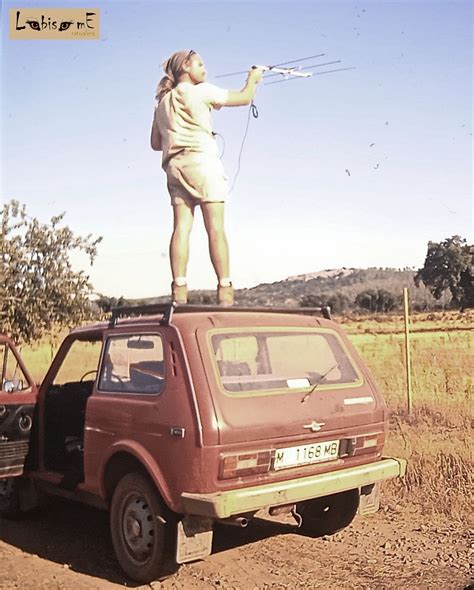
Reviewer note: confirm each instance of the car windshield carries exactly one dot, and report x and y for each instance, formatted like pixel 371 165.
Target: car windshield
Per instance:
pixel 257 360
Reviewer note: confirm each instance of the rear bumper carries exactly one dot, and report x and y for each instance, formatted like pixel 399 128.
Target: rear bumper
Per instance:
pixel 229 503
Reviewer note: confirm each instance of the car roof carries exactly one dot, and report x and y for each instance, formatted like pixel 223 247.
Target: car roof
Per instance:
pixel 186 317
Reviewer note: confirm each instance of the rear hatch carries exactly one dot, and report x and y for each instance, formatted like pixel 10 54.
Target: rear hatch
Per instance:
pixel 17 402
pixel 291 388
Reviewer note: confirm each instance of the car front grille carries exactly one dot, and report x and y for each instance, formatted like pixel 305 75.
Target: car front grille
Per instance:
pixel 13 453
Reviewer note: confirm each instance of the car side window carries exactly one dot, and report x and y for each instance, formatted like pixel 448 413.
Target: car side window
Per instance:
pixel 133 364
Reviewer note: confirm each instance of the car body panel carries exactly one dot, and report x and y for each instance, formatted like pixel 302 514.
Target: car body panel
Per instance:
pixel 18 396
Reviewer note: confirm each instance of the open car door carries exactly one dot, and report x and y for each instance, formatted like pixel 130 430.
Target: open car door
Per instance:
pixel 17 403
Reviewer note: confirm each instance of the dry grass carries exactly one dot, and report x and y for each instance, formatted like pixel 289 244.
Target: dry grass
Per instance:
pixel 442 368
pixel 419 322
pixel 436 438
pixel 438 478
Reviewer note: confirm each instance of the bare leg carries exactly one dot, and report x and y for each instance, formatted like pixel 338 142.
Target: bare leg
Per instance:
pixel 213 214
pixel 179 245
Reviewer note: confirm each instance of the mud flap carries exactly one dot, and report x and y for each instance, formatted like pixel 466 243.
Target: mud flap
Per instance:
pixel 194 538
pixel 369 502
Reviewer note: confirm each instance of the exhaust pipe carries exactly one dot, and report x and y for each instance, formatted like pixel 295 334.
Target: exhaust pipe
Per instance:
pixel 239 521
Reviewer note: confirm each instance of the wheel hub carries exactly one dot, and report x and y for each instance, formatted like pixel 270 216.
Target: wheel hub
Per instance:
pixel 138 527
pixel 135 528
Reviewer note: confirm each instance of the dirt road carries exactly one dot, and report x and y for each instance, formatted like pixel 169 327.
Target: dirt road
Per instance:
pixel 67 547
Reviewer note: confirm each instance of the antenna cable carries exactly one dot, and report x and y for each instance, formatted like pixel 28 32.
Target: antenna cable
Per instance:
pixel 252 111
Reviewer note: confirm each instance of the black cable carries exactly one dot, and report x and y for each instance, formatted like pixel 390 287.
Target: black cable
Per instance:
pixel 254 111
pixel 223 143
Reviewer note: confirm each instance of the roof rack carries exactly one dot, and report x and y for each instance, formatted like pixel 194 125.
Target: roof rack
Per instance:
pixel 168 309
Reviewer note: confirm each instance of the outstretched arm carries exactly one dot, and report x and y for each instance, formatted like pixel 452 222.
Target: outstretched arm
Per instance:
pixel 245 96
pixel 155 139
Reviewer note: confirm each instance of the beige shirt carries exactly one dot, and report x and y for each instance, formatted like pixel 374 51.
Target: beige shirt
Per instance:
pixel 184 119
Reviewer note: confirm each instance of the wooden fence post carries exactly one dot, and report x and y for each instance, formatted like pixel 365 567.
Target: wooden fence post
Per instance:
pixel 407 349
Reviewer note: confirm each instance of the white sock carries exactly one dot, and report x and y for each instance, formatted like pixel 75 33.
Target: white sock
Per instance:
pixel 226 282
pixel 180 281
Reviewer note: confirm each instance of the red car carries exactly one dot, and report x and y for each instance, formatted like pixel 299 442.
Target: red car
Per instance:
pixel 17 401
pixel 175 417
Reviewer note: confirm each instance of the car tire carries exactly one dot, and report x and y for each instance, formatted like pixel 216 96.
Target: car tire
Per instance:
pixel 329 514
pixel 139 528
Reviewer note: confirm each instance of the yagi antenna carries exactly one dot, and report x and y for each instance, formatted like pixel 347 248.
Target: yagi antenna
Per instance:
pixel 314 74
pixel 285 63
pixel 327 63
pixel 287 71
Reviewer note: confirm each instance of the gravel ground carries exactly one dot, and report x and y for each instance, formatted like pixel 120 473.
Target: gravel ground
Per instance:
pixel 67 547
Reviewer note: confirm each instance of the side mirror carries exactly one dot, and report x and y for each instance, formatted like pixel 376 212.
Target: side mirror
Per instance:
pixel 9 386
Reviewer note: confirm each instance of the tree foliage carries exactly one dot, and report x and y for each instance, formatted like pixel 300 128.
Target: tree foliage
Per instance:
pixel 338 302
pixel 40 288
pixel 376 300
pixel 201 299
pixel 106 303
pixel 449 265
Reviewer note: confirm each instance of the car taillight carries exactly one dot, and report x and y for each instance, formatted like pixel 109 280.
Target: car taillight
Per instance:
pixel 359 445
pixel 245 464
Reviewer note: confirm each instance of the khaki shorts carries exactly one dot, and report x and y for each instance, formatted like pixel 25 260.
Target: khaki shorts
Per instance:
pixel 195 178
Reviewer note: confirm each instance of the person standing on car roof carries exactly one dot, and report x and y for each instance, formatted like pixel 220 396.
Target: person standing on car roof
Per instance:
pixel 182 130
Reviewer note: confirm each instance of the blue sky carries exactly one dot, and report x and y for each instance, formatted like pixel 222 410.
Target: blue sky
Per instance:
pixel 312 192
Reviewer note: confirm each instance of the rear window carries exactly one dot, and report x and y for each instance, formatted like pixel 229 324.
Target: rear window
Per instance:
pixel 263 360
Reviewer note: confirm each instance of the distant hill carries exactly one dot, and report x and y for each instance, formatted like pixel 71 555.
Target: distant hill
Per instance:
pixel 348 282
pixel 342 283
pixel 323 274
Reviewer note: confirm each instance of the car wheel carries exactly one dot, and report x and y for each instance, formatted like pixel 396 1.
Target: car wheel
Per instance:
pixel 9 497
pixel 327 515
pixel 138 527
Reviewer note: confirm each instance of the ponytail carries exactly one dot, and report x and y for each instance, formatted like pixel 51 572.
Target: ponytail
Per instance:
pixel 165 85
pixel 173 68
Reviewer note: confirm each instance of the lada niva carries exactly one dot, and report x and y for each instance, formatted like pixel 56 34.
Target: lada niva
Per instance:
pixel 174 418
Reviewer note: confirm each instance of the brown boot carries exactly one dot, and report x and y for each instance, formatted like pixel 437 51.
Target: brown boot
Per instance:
pixel 179 293
pixel 225 295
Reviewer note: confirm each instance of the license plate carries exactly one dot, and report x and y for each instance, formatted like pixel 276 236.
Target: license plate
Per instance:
pixel 306 454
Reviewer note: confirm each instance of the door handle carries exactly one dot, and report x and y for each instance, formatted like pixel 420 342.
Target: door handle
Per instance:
pixel 178 431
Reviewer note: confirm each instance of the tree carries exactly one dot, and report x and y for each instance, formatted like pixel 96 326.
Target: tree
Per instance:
pixel 40 289
pixel 106 303
pixel 310 300
pixel 367 299
pixel 338 302
pixel 197 298
pixel 379 300
pixel 449 265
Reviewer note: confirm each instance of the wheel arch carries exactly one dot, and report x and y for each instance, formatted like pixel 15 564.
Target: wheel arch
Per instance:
pixel 126 458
